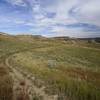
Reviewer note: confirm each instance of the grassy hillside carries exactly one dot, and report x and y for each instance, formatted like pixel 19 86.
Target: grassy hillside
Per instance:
pixel 69 68
pixel 71 71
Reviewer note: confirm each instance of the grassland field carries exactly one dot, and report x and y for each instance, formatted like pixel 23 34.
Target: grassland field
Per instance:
pixel 70 69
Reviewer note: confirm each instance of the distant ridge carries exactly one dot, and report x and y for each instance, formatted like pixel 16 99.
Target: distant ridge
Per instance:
pixel 2 33
pixel 29 37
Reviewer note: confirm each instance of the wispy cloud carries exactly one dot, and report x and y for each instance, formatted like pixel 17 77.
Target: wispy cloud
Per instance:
pixel 56 17
pixel 17 2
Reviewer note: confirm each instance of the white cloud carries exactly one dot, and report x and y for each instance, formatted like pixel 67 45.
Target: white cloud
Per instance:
pixel 83 11
pixel 62 10
pixel 17 2
pixel 90 12
pixel 62 31
pixel 72 32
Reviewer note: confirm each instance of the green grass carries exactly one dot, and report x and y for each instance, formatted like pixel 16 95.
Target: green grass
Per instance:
pixel 8 46
pixel 71 71
pixel 6 84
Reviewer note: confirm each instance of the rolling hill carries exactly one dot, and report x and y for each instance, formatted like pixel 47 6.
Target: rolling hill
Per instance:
pixel 41 68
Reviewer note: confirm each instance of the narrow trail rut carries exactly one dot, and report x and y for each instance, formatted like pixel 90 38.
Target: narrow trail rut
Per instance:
pixel 24 87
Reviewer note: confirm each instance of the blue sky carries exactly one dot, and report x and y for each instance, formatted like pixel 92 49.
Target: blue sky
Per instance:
pixel 74 18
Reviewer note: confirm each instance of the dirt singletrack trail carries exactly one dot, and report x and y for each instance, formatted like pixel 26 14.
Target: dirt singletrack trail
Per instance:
pixel 24 87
